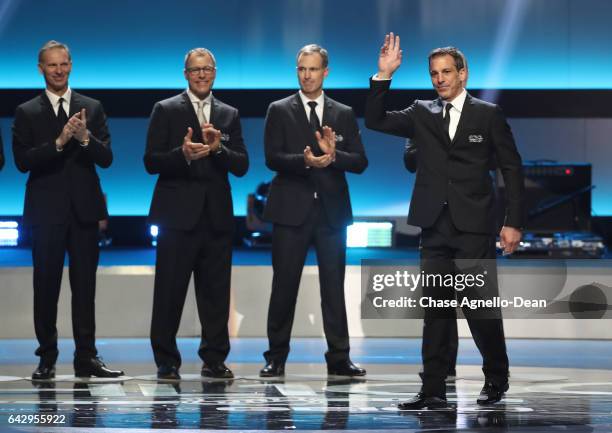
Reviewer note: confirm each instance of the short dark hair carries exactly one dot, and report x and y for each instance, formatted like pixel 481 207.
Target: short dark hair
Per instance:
pixel 50 45
pixel 455 53
pixel 311 49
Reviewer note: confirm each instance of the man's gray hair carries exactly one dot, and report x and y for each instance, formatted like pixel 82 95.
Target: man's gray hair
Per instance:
pixel 311 49
pixel 50 45
pixel 199 52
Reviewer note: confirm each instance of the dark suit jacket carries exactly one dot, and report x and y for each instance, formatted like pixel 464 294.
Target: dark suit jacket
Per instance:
pixel 287 133
pixel 59 180
pixel 410 156
pixel 456 172
pixel 182 189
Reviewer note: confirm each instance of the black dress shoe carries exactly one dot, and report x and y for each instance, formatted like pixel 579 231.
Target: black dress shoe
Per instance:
pixel 94 367
pixel 168 372
pixel 44 372
pixel 345 368
pixel 421 401
pixel 218 371
pixel 273 369
pixel 491 393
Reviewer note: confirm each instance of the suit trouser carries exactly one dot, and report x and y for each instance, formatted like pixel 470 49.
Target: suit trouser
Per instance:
pixel 289 248
pixel 442 247
pixel 208 254
pixel 452 347
pixel 49 245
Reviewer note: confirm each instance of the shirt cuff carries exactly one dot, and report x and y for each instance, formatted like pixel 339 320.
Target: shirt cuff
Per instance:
pixel 375 78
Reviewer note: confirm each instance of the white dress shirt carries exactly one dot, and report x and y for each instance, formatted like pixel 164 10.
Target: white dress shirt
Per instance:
pixel 455 112
pixel 54 99
pixel 195 101
pixel 318 109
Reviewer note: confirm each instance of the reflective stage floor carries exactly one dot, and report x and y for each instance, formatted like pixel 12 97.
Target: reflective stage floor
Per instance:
pixel 570 399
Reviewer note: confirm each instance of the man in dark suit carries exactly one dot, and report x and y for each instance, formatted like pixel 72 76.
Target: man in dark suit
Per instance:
pixel 194 141
pixel 457 136
pixel 309 204
pixel 59 137
pixel 411 164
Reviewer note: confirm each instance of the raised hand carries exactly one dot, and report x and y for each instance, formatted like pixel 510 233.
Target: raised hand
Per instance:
pixel 327 141
pixel 390 57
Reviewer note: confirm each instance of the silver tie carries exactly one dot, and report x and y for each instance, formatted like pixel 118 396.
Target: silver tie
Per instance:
pixel 200 113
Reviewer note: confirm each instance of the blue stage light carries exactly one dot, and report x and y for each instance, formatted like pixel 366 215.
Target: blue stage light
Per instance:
pixel 154 231
pixel 364 234
pixel 9 233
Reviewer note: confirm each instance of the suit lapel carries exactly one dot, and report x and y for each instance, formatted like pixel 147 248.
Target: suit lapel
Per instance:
pixel 328 112
pixel 214 111
pixel 75 105
pixel 49 115
pixel 466 112
pixel 301 118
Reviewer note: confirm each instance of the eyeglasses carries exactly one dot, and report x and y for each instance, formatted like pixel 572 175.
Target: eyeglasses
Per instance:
pixel 303 69
pixel 206 70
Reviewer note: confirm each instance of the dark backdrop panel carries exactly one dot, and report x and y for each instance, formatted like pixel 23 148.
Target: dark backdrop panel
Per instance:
pixel 129 188
pixel 383 190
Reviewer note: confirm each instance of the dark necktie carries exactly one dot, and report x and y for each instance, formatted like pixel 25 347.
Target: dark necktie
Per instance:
pixel 62 117
pixel 446 120
pixel 314 119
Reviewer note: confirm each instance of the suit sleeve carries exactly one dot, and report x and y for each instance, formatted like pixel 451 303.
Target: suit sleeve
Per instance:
pixel 277 158
pixel 29 155
pixel 400 123
pixel 511 166
pixel 352 157
pixel 234 157
pixel 410 156
pixel 99 147
pixel 161 156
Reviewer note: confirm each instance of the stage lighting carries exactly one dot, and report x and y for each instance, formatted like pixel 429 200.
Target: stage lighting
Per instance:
pixel 365 234
pixel 9 233
pixel 154 231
